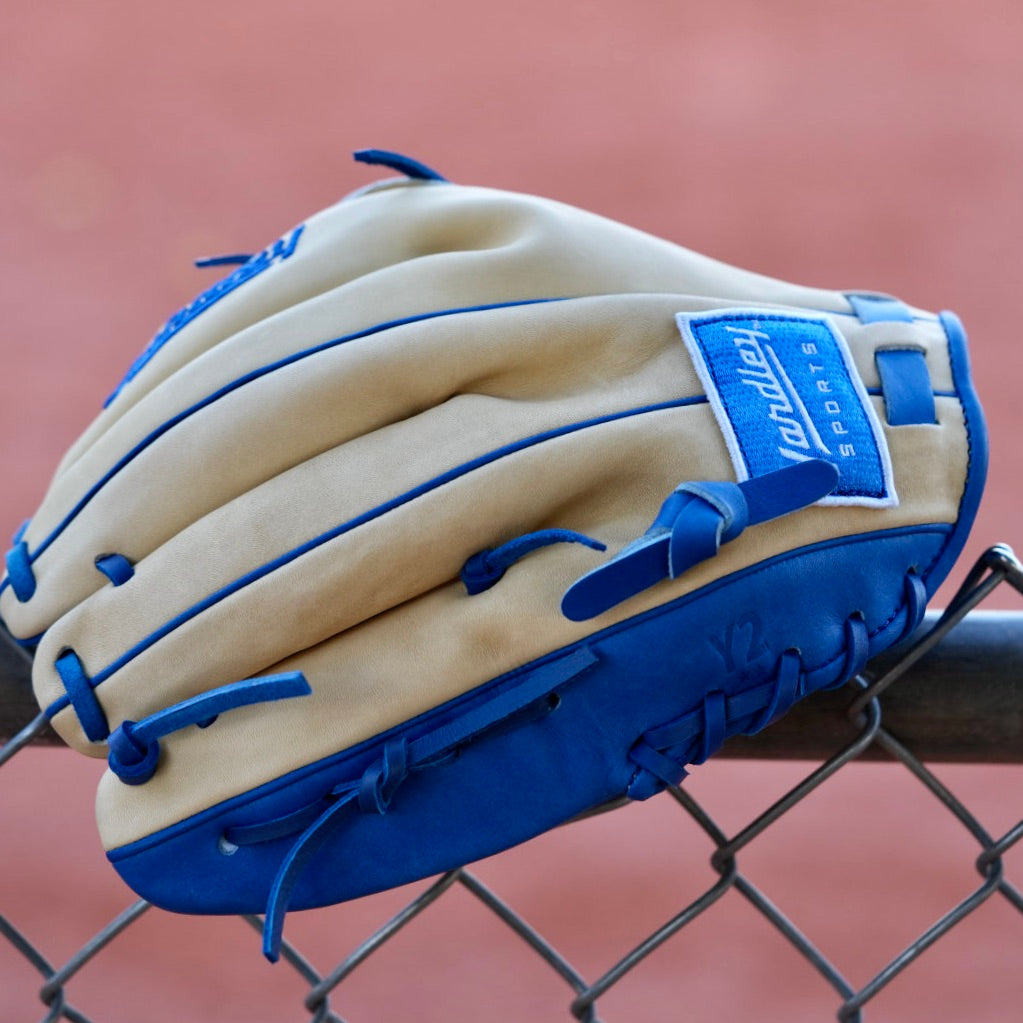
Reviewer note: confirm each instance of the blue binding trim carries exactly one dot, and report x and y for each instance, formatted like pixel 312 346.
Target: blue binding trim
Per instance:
pixel 424 488
pixel 977 448
pixel 116 567
pixel 396 162
pixel 80 695
pixel 906 386
pixel 879 308
pixel 248 378
pixel 135 747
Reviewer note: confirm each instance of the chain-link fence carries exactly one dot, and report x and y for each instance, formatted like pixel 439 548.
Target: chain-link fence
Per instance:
pixel 950 696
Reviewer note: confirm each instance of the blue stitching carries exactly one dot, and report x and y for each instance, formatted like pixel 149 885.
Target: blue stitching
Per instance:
pixel 482 693
pixel 382 509
pixel 248 378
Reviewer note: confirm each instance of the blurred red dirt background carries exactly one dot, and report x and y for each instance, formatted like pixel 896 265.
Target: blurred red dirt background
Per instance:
pixel 872 145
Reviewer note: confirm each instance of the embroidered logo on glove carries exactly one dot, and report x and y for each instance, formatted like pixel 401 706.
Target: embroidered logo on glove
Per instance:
pixel 784 389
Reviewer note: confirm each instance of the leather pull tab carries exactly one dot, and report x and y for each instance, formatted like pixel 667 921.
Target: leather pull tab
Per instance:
pixel 691 526
pixel 787 490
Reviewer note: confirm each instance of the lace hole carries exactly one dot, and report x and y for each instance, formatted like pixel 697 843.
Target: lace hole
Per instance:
pixel 226 848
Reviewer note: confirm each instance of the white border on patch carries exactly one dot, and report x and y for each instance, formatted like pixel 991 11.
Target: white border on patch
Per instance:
pixel 720 414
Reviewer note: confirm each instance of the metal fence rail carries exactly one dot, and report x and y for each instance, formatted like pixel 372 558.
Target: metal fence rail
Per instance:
pixel 950 696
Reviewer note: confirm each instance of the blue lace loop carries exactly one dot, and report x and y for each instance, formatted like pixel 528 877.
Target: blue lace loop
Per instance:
pixel 19 571
pixel 135 747
pixel 381 780
pixel 916 602
pixel 79 688
pixel 661 752
pixel 396 162
pixel 487 567
pixel 712 734
pixel 116 567
pixel 857 645
pixel 372 792
pixel 657 769
pixel 788 687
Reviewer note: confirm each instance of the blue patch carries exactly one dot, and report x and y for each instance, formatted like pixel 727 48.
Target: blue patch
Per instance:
pixel 784 389
pixel 276 253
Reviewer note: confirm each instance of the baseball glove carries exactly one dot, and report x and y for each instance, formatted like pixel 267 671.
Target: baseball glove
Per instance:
pixel 454 513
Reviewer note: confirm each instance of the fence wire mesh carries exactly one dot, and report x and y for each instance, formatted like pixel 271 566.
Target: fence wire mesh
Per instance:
pixel 865 715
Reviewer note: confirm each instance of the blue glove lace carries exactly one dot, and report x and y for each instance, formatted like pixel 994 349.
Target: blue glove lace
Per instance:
pixel 135 747
pixel 487 567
